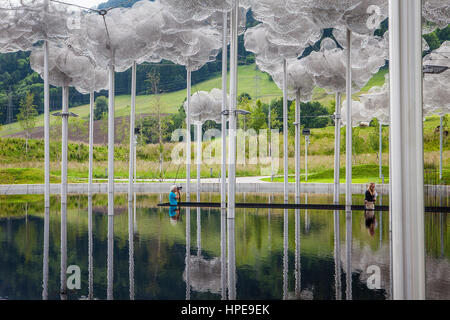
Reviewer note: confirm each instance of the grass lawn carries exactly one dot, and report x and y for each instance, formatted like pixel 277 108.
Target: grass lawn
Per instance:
pixel 25 176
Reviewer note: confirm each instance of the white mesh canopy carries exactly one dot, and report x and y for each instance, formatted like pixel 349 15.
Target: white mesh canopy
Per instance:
pixel 437 12
pixel 205 106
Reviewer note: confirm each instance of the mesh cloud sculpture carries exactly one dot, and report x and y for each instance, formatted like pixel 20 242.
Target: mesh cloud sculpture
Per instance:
pixel 205 106
pixel 328 65
pixel 436 87
pixel 376 102
pixel 67 68
pixel 436 11
pixel 23 23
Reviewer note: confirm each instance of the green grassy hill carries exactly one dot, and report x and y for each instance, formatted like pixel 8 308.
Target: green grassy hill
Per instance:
pixel 250 80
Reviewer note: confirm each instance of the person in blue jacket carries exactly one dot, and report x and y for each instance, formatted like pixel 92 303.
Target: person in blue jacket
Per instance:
pixel 174 198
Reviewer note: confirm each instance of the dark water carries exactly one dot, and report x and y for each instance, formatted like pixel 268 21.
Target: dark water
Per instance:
pixel 290 254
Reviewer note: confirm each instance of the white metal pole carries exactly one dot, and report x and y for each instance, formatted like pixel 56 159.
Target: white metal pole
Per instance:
pixel 46 123
pixel 233 115
pixel 285 133
pixel 348 136
pixel 223 171
pixel 380 152
pixel 188 136
pixel 406 148
pixel 337 148
pixel 132 126
pixel 91 141
pixel 199 159
pixel 297 147
pixel 111 141
pixel 306 158
pixel 441 146
pixel 64 142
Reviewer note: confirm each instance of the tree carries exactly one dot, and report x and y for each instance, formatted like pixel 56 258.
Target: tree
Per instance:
pixel 257 117
pixel 27 116
pixel 100 107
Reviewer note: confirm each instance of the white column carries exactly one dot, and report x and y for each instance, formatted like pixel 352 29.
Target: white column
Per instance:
pixel 441 145
pixel 111 141
pixel 223 171
pixel 91 141
pixel 199 159
pixel 306 158
pixel 380 152
pixel 348 135
pixel 285 133
pixel 337 147
pixel 297 147
pixel 132 126
pixel 64 142
pixel 232 117
pixel 188 137
pixel 46 123
pixel 406 148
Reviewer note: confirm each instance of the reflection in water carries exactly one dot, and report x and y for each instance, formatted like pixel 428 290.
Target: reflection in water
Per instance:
pixel 90 250
pixel 199 233
pixel 188 254
pixel 223 252
pixel 131 248
pixel 157 268
pixel 370 221
pixel 231 255
pixel 337 257
pixel 63 287
pixel 45 254
pixel 110 260
pixel 348 250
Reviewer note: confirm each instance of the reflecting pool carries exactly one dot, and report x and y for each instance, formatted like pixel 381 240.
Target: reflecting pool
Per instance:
pixel 145 253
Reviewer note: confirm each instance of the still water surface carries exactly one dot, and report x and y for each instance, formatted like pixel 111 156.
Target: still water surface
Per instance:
pixel 278 254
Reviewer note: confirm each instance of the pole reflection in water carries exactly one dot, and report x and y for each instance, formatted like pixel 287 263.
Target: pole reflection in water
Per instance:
pixel 223 252
pixel 110 275
pixel 298 283
pixel 337 256
pixel 90 250
pixel 285 254
pixel 199 233
pixel 380 223
pixel 348 251
pixel 45 259
pixel 231 255
pixel 131 248
pixel 306 215
pixel 188 253
pixel 63 287
pixel 135 229
pixel 268 224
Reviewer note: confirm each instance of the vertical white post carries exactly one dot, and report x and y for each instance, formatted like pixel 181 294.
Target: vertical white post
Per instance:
pixel 441 145
pixel 285 133
pixel 64 142
pixel 233 115
pixel 188 136
pixel 406 148
pixel 46 123
pixel 132 126
pixel 297 147
pixel 348 135
pixel 223 171
pixel 337 147
pixel 306 158
pixel 91 141
pixel 111 141
pixel 199 159
pixel 380 152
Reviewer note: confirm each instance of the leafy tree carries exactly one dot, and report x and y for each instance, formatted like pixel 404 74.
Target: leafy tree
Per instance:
pixel 27 116
pixel 100 107
pixel 258 117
